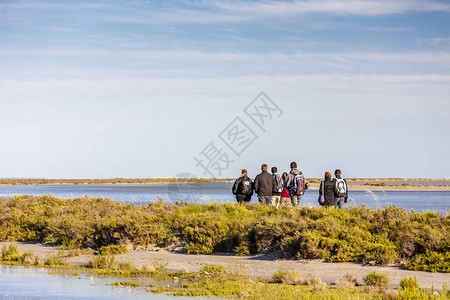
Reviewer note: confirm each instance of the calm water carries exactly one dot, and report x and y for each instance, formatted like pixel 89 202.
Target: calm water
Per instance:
pixel 39 283
pixel 220 192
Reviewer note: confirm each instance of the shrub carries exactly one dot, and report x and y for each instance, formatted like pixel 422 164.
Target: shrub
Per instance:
pixel 103 262
pixel 213 270
pixel 346 281
pixel 113 250
pixel 288 277
pixel 376 279
pixel 126 266
pixel 409 283
pixel 57 259
pixel 156 267
pixel 10 253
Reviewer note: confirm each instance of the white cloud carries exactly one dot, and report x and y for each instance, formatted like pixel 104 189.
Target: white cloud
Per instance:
pixel 242 11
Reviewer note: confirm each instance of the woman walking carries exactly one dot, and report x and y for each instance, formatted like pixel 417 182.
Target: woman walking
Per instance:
pixel 327 191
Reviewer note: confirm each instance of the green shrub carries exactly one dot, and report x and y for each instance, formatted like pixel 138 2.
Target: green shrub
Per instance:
pixel 113 250
pixel 213 270
pixel 10 253
pixel 376 279
pixel 409 283
pixel 126 266
pixel 431 261
pixel 103 262
pixel 386 236
pixel 57 259
pixel 288 277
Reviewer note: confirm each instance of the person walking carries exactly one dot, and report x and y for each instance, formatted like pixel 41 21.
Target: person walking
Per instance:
pixel 295 183
pixel 243 188
pixel 326 190
pixel 285 199
pixel 264 183
pixel 277 188
pixel 340 189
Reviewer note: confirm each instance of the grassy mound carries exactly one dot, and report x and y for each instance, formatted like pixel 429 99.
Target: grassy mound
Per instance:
pixel 391 235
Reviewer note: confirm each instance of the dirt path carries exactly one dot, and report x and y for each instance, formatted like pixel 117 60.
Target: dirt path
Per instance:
pixel 256 266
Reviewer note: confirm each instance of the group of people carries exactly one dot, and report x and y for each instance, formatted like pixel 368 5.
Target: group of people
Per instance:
pixel 288 189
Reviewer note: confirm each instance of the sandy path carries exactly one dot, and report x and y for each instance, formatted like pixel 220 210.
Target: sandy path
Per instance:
pixel 257 266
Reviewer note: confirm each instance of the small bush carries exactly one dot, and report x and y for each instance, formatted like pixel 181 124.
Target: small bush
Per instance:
pixel 409 283
pixel 346 281
pixel 103 262
pixel 376 279
pixel 56 260
pixel 156 267
pixel 113 250
pixel 10 253
pixel 126 266
pixel 213 270
pixel 314 281
pixel 288 277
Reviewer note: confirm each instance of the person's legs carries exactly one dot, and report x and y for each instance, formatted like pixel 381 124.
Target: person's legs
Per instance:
pixel 285 201
pixel 275 200
pixel 338 202
pixel 268 200
pixel 241 198
pixel 295 200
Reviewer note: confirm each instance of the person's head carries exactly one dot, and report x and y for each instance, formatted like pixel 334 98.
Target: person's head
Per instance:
pixel 327 175
pixel 337 172
pixel 274 170
pixel 293 165
pixel 243 172
pixel 264 167
pixel 284 176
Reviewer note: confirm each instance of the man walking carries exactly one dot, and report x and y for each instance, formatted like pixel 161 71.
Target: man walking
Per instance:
pixel 340 189
pixel 295 183
pixel 264 183
pixel 277 188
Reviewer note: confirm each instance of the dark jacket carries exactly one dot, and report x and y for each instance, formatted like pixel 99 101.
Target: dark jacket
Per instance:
pixel 238 186
pixel 264 183
pixel 328 191
pixel 335 189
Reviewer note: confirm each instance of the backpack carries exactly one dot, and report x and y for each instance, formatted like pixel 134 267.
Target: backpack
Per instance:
pixel 246 186
pixel 341 187
pixel 278 188
pixel 297 185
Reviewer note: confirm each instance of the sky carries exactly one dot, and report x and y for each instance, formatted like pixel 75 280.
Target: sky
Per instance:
pixel 134 89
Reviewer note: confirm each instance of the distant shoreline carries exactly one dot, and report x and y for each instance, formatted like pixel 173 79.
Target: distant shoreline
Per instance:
pixel 355 184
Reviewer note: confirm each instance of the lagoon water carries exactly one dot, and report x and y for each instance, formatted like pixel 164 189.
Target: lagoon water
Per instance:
pixel 220 192
pixel 43 284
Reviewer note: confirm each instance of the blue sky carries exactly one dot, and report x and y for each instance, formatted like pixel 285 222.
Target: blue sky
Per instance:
pixel 102 89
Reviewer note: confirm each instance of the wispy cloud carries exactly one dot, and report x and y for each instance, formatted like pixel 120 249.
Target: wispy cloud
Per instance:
pixel 242 11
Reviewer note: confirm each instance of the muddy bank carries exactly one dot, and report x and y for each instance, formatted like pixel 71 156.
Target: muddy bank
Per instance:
pixel 255 266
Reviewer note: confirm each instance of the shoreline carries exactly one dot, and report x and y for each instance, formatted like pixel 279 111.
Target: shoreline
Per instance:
pixel 258 266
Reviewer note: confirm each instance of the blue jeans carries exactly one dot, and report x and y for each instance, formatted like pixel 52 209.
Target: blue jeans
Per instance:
pixel 339 201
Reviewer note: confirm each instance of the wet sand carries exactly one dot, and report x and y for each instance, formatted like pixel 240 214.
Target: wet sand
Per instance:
pixel 255 266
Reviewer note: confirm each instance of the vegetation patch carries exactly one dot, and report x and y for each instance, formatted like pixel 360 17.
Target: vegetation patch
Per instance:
pixel 378 237
pixel 376 279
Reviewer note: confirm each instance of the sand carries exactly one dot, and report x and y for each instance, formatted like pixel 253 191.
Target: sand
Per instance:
pixel 255 266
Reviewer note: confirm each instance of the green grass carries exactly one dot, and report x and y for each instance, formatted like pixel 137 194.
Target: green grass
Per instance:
pixel 381 237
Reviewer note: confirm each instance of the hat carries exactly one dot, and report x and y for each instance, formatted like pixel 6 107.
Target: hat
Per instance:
pixel 337 172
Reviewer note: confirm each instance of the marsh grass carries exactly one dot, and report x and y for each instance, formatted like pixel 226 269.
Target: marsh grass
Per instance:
pixel 379 237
